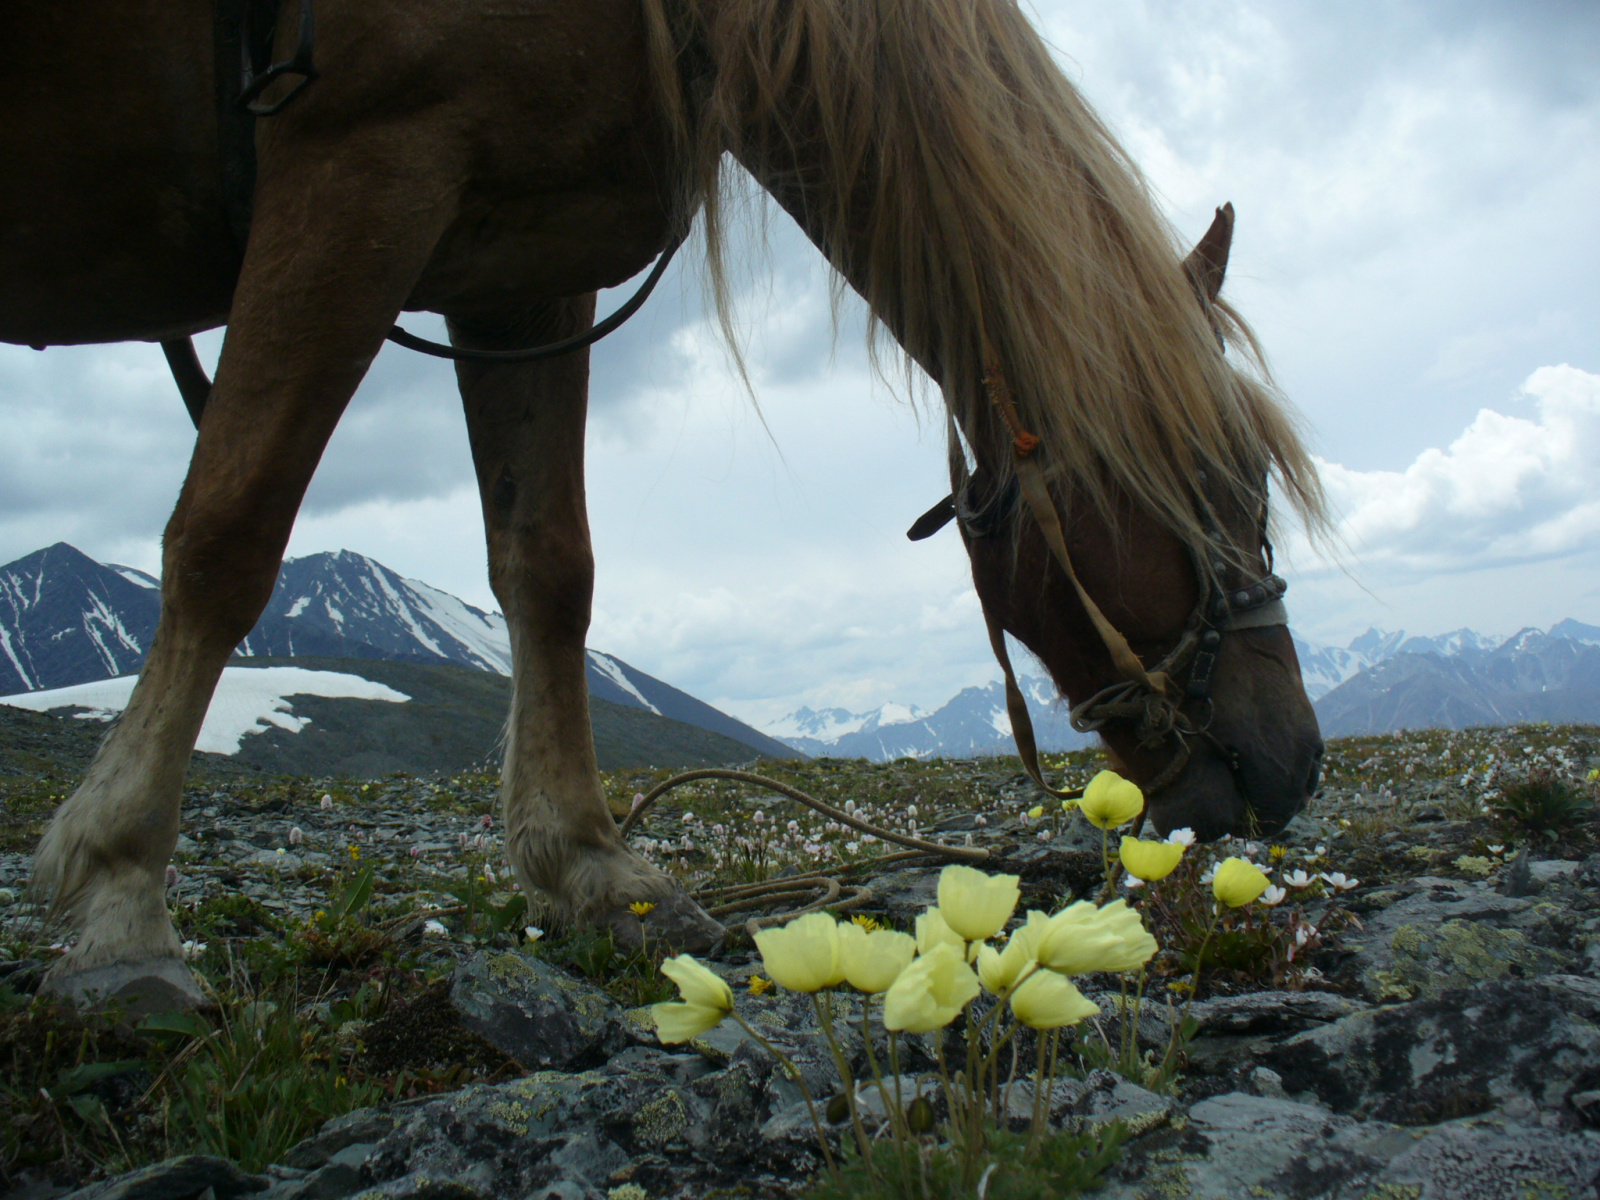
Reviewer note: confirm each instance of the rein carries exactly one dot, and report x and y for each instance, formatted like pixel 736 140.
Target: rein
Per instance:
pixel 1150 698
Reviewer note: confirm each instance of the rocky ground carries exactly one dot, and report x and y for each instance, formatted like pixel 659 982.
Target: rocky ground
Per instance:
pixel 1418 1020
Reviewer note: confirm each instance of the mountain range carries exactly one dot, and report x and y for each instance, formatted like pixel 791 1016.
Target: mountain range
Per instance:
pixel 1379 683
pixel 66 619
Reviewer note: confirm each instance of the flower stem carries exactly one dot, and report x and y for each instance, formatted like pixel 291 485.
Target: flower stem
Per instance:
pixel 1194 987
pixel 824 1005
pixel 794 1073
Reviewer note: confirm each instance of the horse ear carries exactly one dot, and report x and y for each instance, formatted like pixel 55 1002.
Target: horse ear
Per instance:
pixel 1208 261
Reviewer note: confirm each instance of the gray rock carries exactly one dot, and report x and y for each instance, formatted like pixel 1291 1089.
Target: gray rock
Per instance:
pixel 580 1132
pixel 1443 934
pixel 1270 1012
pixel 535 1012
pixel 1519 1046
pixel 177 1179
pixel 1269 1149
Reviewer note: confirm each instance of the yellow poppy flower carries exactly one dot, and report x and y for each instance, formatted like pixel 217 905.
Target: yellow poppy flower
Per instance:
pixel 803 955
pixel 1082 938
pixel 930 992
pixel 1110 800
pixel 706 1000
pixel 1149 861
pixel 1238 882
pixel 976 905
pixel 1045 1000
pixel 873 959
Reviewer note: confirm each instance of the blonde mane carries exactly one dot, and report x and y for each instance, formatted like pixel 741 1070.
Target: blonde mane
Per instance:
pixel 948 169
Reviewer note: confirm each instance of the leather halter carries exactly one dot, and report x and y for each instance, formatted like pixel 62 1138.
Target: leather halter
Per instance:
pixel 1149 697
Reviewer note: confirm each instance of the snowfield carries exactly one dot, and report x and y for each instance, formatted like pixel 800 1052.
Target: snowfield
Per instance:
pixel 247 700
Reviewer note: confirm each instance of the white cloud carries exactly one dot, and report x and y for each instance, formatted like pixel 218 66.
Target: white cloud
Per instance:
pixel 1509 489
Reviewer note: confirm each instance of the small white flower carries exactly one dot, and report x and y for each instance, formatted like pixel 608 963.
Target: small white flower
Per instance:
pixel 1497 849
pixel 1298 878
pixel 850 807
pixel 327 802
pixel 1273 896
pixel 1211 873
pixel 1181 837
pixel 1320 851
pixel 1339 881
pixel 532 932
pixel 1044 835
pixel 1251 849
pixel 1132 881
pixel 281 850
pixel 980 821
pixel 433 928
pixel 911 810
pixel 853 847
pixel 1304 934
pixel 193 950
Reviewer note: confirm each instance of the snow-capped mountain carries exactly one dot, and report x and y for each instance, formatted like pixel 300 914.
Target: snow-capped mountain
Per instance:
pixel 1326 667
pixel 974 722
pixel 66 619
pixel 346 605
pixel 1531 676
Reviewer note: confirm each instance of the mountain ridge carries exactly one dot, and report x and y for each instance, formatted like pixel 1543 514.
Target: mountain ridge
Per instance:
pixel 67 619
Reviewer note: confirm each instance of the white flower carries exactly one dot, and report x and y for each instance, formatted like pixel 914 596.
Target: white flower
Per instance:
pixel 1044 835
pixel 193 950
pixel 296 835
pixel 1211 873
pixel 1497 849
pixel 1273 895
pixel 532 932
pixel 434 928
pixel 911 810
pixel 327 802
pixel 1298 878
pixel 1181 837
pixel 853 847
pixel 1304 934
pixel 1339 881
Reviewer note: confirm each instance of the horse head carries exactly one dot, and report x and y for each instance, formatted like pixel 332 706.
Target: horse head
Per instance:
pixel 1209 713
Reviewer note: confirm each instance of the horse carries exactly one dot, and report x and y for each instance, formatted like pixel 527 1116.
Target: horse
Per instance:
pixel 498 164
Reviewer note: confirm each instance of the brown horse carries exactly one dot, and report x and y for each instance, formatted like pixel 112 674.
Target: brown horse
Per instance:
pixel 498 163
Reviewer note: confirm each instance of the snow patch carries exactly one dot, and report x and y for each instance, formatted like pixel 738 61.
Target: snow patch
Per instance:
pixel 612 670
pixel 247 700
pixel 136 576
pixel 298 607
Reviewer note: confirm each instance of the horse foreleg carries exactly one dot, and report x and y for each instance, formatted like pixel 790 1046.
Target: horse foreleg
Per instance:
pixel 526 426
pixel 332 257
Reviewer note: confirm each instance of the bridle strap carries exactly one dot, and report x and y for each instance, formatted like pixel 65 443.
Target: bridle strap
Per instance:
pixel 1037 497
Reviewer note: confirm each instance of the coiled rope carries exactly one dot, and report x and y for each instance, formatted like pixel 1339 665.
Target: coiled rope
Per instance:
pixel 821 888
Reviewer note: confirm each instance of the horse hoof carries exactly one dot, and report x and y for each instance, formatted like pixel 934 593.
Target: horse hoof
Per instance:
pixel 674 922
pixel 151 985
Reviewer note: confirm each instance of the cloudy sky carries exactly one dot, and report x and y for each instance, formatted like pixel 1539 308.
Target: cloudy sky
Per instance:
pixel 1418 246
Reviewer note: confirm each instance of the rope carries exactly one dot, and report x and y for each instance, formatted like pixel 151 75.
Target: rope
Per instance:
pixel 735 898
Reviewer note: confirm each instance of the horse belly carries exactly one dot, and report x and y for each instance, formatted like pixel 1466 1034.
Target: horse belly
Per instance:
pixel 111 220
pixel 569 183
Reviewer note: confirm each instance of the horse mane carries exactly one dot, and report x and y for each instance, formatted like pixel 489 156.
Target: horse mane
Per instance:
pixel 951 171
